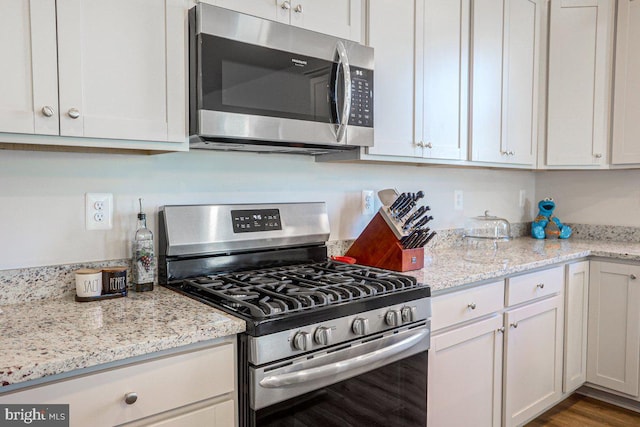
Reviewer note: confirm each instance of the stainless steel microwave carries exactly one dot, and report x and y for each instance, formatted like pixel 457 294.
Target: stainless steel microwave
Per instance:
pixel 259 85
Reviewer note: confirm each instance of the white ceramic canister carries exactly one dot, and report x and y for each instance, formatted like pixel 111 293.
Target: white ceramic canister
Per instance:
pixel 88 282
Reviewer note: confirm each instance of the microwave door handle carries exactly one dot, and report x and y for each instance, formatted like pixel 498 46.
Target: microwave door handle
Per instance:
pixel 369 360
pixel 343 63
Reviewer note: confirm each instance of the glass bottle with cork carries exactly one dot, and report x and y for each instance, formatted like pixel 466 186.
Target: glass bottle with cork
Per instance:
pixel 144 266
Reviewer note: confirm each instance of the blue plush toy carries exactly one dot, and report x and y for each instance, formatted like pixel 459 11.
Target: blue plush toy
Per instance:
pixel 546 224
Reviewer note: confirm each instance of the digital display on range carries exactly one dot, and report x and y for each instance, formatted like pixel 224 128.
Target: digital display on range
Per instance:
pixel 248 221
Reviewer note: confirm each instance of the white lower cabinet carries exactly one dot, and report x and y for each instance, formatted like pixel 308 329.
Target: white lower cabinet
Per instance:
pixel 533 359
pixel 196 388
pixel 575 325
pixel 465 375
pixel 614 327
pixel 496 354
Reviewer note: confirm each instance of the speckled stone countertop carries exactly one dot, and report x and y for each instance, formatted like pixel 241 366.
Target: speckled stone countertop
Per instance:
pixel 446 268
pixel 55 336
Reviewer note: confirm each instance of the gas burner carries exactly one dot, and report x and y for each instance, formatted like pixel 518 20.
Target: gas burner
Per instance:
pixel 272 292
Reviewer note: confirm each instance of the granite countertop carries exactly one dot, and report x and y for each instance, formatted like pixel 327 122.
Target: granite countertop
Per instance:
pixel 446 268
pixel 56 336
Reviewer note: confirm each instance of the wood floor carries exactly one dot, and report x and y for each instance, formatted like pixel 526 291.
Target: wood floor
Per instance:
pixel 581 411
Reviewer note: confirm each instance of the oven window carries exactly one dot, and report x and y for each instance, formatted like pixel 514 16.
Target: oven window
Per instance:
pixel 247 79
pixel 393 395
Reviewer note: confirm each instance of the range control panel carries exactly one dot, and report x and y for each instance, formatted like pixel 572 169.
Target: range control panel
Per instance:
pixel 248 221
pixel 361 97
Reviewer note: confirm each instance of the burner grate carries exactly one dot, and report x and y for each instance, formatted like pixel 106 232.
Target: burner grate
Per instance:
pixel 270 292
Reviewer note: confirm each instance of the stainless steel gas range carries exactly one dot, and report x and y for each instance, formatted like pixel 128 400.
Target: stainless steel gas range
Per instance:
pixel 327 343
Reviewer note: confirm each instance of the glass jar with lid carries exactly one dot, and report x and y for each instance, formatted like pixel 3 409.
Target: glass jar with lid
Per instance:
pixel 485 236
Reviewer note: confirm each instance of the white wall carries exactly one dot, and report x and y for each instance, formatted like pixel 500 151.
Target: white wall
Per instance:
pixel 592 197
pixel 42 195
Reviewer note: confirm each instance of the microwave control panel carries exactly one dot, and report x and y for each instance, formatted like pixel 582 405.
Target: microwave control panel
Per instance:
pixel 361 97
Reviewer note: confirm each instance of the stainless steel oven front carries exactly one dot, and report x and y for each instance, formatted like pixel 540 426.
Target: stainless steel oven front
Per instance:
pixel 378 380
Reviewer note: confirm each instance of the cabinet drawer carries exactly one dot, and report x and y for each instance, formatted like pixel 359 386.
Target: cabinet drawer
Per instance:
pixel 161 385
pixel 465 305
pixel 534 285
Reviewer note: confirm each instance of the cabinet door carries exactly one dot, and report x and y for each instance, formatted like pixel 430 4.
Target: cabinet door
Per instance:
pixel 29 83
pixel 465 375
pixel 533 359
pixel 215 415
pixel 393 41
pixel 122 69
pixel 575 326
pixel 579 81
pixel 340 18
pixel 521 70
pixel 486 81
pixel 614 327
pixel 442 83
pixel 275 10
pixel 626 101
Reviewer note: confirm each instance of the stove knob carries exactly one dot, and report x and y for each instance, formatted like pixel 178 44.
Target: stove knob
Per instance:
pixel 408 314
pixel 393 318
pixel 322 335
pixel 360 326
pixel 301 341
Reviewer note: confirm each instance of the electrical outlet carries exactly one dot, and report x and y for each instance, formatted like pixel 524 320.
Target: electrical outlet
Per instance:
pixel 458 201
pixel 367 202
pixel 99 211
pixel 523 198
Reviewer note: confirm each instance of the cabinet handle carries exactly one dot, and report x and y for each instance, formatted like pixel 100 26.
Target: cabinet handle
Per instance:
pixel 47 111
pixel 428 145
pixel 420 144
pixel 73 113
pixel 597 155
pixel 472 306
pixel 298 9
pixel 511 153
pixel 632 277
pixel 514 325
pixel 285 5
pixel 501 330
pixel 504 153
pixel 540 285
pixel 131 398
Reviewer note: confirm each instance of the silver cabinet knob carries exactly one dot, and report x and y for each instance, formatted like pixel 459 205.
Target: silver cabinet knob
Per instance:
pixel 501 330
pixel 301 341
pixel 322 335
pixel 360 326
pixel 597 155
pixel 420 144
pixel 392 318
pixel 504 153
pixel 428 145
pixel 298 9
pixel 47 111
pixel 472 306
pixel 633 277
pixel 408 314
pixel 511 153
pixel 540 285
pixel 285 5
pixel 131 398
pixel 514 325
pixel 74 113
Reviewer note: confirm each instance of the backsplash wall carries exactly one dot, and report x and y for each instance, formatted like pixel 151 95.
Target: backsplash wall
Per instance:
pixel 42 195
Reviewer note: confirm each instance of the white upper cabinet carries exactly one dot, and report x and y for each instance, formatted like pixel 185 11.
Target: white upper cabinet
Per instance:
pixel 29 82
pixel 442 78
pixel 580 43
pixel 393 43
pixel 340 18
pixel 504 80
pixel 626 100
pixel 97 70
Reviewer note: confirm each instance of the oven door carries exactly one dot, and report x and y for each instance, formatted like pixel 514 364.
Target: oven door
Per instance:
pixel 380 381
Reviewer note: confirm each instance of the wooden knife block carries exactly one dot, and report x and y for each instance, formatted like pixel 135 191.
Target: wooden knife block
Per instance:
pixel 378 246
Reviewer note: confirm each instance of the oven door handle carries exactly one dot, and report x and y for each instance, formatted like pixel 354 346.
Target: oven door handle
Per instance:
pixel 377 357
pixel 343 63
